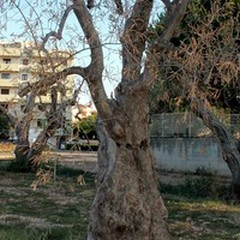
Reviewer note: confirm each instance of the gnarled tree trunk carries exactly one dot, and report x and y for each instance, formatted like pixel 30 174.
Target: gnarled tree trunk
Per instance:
pixel 26 155
pixel 230 146
pixel 21 162
pixel 128 204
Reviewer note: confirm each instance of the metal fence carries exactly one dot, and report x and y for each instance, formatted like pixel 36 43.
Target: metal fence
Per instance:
pixel 189 125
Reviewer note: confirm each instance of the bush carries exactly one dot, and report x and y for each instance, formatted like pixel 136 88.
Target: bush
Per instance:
pixel 86 128
pixel 197 186
pixel 22 233
pixel 4 127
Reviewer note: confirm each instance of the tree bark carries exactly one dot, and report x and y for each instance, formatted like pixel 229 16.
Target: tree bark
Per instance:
pixel 230 146
pixel 22 148
pixel 27 156
pixel 106 152
pixel 128 204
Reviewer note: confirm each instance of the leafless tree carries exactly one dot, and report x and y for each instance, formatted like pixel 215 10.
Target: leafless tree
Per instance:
pixel 127 204
pixel 31 104
pixel 27 154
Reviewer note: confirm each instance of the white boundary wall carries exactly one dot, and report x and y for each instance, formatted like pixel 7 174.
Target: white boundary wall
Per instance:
pixel 189 155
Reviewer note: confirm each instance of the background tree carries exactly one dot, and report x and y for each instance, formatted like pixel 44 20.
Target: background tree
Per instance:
pixel 4 127
pixel 86 127
pixel 204 72
pixel 127 203
pixel 27 154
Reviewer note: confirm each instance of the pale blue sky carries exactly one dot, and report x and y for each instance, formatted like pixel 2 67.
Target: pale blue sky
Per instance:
pixel 12 25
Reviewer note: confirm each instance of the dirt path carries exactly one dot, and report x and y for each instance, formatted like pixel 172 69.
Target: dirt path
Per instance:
pixel 86 161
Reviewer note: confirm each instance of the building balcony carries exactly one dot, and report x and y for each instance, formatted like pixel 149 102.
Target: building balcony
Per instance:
pixel 8 98
pixel 9 67
pixel 9 82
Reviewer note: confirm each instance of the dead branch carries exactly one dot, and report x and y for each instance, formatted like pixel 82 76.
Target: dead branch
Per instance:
pixel 53 123
pixel 10 117
pixel 26 21
pixel 93 73
pixel 119 6
pixel 43 85
pixel 57 34
pixel 134 38
pixel 168 4
pixel 90 4
pixel 150 74
pixel 174 18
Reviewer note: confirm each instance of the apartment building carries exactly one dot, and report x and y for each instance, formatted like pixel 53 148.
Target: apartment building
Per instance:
pixel 23 63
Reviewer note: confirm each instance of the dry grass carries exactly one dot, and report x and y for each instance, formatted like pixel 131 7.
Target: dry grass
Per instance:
pixel 203 219
pixel 59 210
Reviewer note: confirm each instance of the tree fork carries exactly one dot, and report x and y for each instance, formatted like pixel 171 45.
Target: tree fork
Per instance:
pixel 128 204
pixel 230 151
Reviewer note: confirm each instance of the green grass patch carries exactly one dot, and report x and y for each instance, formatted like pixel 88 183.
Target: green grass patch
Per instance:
pixel 205 186
pixel 59 209
pixel 202 218
pixel 25 233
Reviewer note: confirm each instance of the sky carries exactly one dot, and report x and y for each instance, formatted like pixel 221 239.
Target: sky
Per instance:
pixel 12 22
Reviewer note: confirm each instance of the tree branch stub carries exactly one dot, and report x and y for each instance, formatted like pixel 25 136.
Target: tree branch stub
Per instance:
pixel 93 73
pixel 134 39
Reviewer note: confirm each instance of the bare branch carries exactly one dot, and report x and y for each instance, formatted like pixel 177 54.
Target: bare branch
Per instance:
pixel 10 117
pixel 43 85
pixel 58 34
pixel 90 4
pixel 119 6
pixel 168 4
pixel 134 39
pixel 36 13
pixel 93 73
pixel 53 123
pixel 26 21
pixel 175 16
pixel 85 20
pixel 55 120
pixel 72 101
pixel 162 43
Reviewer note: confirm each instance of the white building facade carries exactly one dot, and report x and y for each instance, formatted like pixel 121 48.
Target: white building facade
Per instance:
pixel 21 64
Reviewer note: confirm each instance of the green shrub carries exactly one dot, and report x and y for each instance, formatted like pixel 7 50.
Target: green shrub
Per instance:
pixel 196 186
pixel 4 127
pixel 18 233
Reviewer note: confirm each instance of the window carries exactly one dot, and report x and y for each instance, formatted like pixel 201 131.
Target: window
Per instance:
pixel 5 91
pixel 7 60
pixel 42 76
pixel 25 61
pixel 43 61
pixel 5 76
pixel 41 123
pixel 24 76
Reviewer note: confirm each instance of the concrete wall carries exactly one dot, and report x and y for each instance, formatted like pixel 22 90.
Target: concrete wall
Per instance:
pixel 189 154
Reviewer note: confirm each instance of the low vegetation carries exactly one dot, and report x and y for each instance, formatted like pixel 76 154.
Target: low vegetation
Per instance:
pixel 59 209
